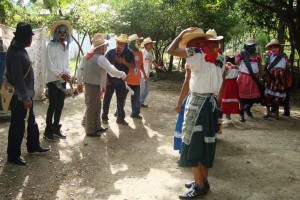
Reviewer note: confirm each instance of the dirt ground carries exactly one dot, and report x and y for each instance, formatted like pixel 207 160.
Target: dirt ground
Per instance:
pixel 255 160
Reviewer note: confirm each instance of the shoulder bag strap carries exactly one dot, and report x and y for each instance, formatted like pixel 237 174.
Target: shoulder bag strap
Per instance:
pixel 248 65
pixel 277 59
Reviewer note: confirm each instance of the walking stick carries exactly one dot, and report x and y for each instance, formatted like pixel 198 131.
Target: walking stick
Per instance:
pixel 26 121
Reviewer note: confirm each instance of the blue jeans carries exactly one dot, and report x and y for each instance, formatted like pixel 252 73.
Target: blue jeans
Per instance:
pixel 144 90
pixel 135 100
pixel 17 129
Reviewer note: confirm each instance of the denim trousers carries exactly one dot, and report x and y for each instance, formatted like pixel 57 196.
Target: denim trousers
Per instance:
pixel 144 90
pixel 135 100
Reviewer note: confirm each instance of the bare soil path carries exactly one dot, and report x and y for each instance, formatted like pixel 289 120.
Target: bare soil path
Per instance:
pixel 255 160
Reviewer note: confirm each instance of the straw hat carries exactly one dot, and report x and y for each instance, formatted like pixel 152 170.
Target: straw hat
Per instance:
pixel 97 41
pixel 147 41
pixel 250 41
pixel 122 38
pixel 134 37
pixel 59 23
pixel 214 35
pixel 192 35
pixel 273 42
pixel 229 53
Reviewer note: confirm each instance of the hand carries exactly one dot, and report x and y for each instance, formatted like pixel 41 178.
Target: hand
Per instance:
pixel 145 78
pixel 80 88
pixel 190 29
pixel 120 59
pixel 28 104
pixel 65 77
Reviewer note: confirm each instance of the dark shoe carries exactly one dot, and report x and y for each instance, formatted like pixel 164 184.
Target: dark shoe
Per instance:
pixel 18 161
pixel 193 193
pixel 102 129
pixel 192 183
pixel 144 105
pixel 39 150
pixel 136 116
pixel 267 116
pixel 287 114
pixel 116 113
pixel 249 113
pixel 57 132
pixel 97 134
pixel 242 118
pixel 123 122
pixel 49 136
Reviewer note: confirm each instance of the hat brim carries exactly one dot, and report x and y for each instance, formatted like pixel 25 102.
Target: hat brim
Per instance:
pixel 123 41
pixel 93 48
pixel 190 36
pixel 148 42
pixel 217 38
pixel 59 23
pixel 272 43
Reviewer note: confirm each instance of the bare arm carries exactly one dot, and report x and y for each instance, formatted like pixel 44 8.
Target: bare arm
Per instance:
pixel 184 89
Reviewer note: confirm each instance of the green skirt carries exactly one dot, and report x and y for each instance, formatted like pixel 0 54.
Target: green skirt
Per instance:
pixel 201 118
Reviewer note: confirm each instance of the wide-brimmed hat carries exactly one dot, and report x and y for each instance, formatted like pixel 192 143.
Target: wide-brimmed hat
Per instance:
pixel 198 32
pixel 23 30
pixel 97 41
pixel 250 41
pixel 134 37
pixel 122 38
pixel 229 53
pixel 147 41
pixel 273 42
pixel 214 35
pixel 59 23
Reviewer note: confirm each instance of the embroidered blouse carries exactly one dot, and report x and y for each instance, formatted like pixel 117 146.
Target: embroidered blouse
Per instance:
pixel 254 64
pixel 206 77
pixel 283 63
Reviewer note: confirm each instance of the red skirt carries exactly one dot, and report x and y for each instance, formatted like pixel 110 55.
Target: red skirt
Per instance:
pixel 248 89
pixel 230 100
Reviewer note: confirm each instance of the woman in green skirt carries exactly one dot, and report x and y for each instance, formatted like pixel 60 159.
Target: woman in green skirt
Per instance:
pixel 200 127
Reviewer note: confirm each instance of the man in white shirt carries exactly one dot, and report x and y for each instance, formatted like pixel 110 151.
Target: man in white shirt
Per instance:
pixel 57 73
pixel 148 61
pixel 92 72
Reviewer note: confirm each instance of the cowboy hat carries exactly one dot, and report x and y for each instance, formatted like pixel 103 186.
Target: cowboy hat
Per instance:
pixel 23 30
pixel 198 32
pixel 59 23
pixel 273 42
pixel 214 35
pixel 122 38
pixel 97 41
pixel 229 53
pixel 147 41
pixel 134 37
pixel 250 41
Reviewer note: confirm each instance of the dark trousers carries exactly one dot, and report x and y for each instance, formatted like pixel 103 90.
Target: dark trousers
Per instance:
pixel 17 129
pixel 286 102
pixel 56 104
pixel 113 85
pixel 135 100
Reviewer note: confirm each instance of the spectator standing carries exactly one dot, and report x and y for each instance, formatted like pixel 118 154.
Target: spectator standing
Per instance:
pixel 20 74
pixel 134 75
pixel 123 59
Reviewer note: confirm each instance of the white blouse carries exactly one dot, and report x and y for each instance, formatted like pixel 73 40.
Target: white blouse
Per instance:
pixel 206 77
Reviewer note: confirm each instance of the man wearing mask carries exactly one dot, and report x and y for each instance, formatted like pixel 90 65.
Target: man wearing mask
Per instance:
pixel 20 74
pixel 57 73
